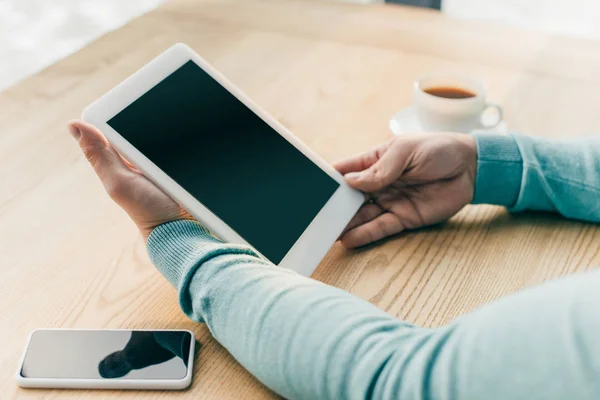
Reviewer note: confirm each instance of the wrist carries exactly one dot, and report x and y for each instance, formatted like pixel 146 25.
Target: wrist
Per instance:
pixel 147 227
pixel 469 158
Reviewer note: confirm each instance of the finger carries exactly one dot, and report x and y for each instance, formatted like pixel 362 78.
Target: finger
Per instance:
pixel 365 214
pixel 382 226
pixel 107 163
pixel 387 169
pixel 362 161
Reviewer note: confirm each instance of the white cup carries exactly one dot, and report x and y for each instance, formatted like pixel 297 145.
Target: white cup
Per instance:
pixel 437 113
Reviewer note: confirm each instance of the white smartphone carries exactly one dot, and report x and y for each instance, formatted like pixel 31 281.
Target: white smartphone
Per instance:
pixel 231 165
pixel 107 359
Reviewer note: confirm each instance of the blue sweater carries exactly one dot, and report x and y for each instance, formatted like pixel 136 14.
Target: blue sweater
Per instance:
pixel 308 340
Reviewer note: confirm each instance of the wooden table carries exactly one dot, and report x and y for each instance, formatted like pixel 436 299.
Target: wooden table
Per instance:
pixel 333 73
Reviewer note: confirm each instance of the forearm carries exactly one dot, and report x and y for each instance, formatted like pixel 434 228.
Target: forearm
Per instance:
pixel 305 339
pixel 528 173
pixel 300 337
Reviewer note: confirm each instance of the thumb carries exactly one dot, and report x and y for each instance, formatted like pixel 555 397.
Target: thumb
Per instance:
pixel 107 163
pixel 379 175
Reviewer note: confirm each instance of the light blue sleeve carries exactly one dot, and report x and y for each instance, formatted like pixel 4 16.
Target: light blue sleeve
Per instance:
pixel 529 173
pixel 307 340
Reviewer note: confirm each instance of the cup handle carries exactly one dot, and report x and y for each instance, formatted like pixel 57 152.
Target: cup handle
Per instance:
pixel 500 115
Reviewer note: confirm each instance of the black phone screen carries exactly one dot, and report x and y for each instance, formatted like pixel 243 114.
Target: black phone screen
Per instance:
pixel 228 158
pixel 106 354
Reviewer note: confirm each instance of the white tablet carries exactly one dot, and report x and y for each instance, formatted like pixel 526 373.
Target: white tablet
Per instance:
pixel 231 165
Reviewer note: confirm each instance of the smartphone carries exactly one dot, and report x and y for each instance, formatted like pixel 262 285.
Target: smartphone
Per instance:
pixel 107 359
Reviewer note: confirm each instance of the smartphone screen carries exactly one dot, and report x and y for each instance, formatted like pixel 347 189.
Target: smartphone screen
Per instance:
pixel 228 158
pixel 106 354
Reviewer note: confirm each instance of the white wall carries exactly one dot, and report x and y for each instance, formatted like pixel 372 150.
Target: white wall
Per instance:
pixel 570 17
pixel 36 33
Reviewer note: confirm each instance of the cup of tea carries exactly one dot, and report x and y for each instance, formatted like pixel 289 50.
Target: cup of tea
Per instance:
pixel 453 103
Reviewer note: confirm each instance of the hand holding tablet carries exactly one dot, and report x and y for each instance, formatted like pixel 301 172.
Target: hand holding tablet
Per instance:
pixel 229 164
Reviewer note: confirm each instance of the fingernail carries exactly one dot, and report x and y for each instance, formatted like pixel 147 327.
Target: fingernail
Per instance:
pixel 352 175
pixel 75 132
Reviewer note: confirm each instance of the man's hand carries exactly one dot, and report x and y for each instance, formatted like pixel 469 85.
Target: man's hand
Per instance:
pixel 412 181
pixel 147 205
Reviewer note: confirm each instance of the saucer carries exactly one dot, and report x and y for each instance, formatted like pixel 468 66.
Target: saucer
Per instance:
pixel 406 121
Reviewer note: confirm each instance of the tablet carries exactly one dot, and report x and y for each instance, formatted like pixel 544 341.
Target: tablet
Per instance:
pixel 231 165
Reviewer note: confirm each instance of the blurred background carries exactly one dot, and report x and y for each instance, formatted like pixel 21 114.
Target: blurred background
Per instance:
pixel 36 33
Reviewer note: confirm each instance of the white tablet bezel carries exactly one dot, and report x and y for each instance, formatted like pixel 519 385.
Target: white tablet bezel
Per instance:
pixel 322 232
pixel 82 383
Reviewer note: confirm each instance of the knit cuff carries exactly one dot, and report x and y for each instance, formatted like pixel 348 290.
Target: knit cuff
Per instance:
pixel 499 170
pixel 175 246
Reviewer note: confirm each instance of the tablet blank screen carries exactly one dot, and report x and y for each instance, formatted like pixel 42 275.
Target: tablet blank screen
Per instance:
pixel 228 158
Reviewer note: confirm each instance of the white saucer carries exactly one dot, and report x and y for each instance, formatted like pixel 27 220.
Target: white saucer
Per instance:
pixel 406 121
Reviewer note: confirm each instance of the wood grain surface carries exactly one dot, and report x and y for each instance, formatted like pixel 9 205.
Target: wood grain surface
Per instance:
pixel 333 73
